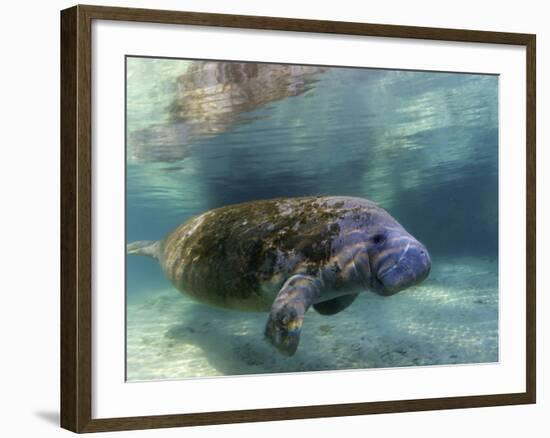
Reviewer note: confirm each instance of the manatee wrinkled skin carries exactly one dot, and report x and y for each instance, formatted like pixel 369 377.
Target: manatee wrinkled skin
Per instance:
pixel 285 255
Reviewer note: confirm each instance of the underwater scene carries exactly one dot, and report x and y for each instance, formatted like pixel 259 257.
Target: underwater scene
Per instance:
pixel 290 218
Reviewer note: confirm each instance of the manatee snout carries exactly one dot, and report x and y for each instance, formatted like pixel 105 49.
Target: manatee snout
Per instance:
pixel 409 264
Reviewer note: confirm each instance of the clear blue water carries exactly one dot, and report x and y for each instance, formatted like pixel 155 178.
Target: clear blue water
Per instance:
pixel 423 145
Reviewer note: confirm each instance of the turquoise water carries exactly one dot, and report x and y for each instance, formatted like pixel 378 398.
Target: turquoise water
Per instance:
pixel 423 145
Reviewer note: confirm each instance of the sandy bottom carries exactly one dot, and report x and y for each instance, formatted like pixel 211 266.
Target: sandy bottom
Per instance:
pixel 450 319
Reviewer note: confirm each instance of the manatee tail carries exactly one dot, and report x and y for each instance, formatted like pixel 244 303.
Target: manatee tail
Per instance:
pixel 149 248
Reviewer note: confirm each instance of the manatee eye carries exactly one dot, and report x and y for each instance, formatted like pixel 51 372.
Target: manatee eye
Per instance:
pixel 378 239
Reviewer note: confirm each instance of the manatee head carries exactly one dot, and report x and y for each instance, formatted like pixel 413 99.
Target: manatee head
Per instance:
pixel 397 260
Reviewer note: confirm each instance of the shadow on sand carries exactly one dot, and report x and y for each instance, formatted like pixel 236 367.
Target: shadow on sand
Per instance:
pixel 233 343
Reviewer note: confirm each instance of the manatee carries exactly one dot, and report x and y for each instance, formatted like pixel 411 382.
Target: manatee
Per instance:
pixel 285 255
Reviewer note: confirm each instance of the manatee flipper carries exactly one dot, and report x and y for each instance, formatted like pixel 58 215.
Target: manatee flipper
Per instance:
pixel 149 248
pixel 335 305
pixel 287 312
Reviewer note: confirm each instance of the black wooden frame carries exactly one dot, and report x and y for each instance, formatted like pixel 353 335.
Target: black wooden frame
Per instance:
pixel 76 218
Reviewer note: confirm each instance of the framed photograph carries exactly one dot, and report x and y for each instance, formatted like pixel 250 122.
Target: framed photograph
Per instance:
pixel 270 218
